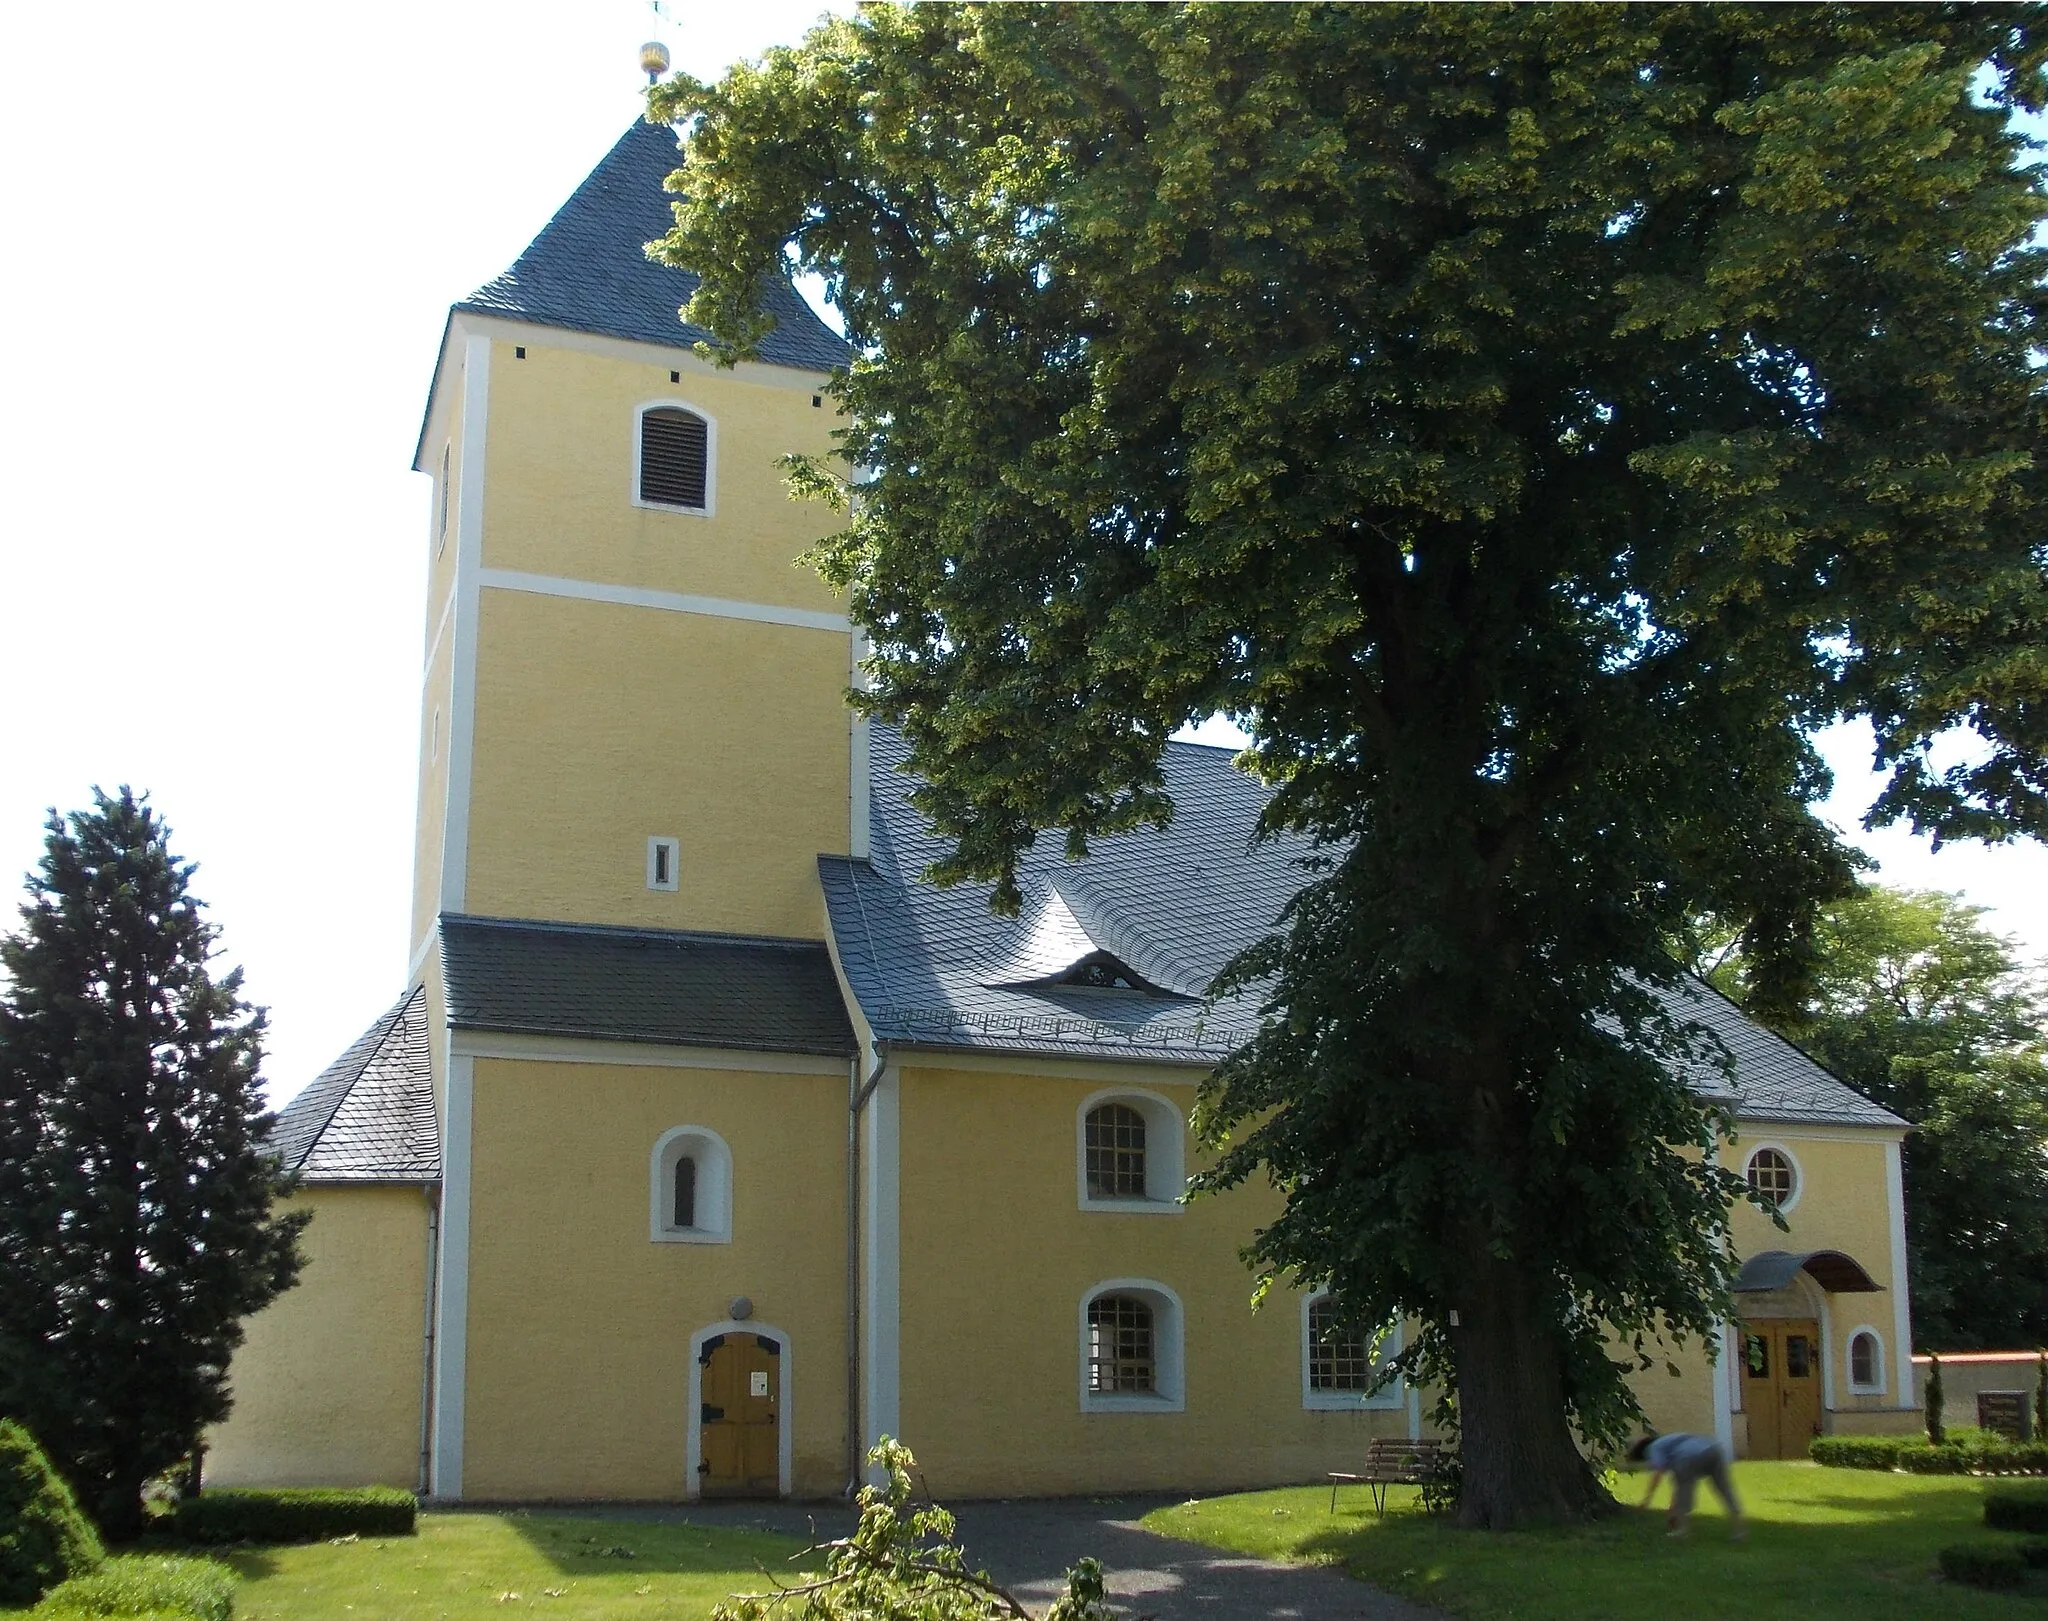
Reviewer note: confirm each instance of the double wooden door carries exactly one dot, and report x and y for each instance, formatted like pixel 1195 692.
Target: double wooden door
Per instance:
pixel 741 1380
pixel 1781 1386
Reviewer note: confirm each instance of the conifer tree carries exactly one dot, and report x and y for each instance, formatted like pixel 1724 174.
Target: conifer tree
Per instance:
pixel 1529 422
pixel 136 1224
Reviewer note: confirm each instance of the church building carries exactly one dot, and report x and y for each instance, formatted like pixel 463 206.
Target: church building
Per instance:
pixel 704 1143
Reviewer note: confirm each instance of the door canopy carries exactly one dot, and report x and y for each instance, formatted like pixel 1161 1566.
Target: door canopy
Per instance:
pixel 1835 1272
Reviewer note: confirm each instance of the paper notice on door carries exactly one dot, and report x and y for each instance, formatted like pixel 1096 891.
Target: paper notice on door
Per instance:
pixel 758 1382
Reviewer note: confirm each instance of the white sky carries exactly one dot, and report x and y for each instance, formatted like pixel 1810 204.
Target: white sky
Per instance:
pixel 232 232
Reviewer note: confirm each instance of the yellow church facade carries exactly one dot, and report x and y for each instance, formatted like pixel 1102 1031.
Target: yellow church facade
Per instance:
pixel 707 1145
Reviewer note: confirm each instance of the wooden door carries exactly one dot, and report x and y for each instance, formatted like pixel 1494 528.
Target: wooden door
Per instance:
pixel 741 1379
pixel 1781 1386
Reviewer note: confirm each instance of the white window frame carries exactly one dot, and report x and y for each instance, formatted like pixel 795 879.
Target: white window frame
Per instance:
pixel 1169 1350
pixel 1165 1153
pixel 1388 1398
pixel 710 422
pixel 1856 1386
pixel 1798 1172
pixel 656 843
pixel 714 1186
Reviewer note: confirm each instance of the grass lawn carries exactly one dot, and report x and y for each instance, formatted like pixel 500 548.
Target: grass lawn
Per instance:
pixel 467 1566
pixel 1823 1544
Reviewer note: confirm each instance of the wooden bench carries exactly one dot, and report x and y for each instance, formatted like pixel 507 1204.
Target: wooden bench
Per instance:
pixel 1392 1463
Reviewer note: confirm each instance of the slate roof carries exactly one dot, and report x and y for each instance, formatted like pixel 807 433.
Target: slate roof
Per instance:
pixel 934 968
pixel 369 1117
pixel 652 985
pixel 588 269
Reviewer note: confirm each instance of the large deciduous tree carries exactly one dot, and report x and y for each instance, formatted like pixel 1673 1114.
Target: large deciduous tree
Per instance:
pixel 136 1225
pixel 1527 422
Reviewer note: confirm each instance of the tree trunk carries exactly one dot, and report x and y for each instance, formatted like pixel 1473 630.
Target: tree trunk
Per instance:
pixel 1521 1465
pixel 120 1509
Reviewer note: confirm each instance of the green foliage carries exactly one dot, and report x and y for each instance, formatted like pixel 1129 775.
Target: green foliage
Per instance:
pixel 43 1536
pixel 1960 1453
pixel 135 1199
pixel 2041 1400
pixel 1857 1451
pixel 1527 422
pixel 903 1564
pixel 2016 1508
pixel 146 1585
pixel 2034 1553
pixel 302 1514
pixel 1933 1399
pixel 1922 1008
pixel 1996 1566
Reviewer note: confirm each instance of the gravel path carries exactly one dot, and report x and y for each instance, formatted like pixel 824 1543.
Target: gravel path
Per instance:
pixel 1028 1545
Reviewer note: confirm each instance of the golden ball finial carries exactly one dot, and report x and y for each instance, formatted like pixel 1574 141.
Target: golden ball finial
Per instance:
pixel 653 60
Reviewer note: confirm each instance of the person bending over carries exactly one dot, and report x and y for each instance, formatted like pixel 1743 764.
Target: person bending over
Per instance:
pixel 1687 1459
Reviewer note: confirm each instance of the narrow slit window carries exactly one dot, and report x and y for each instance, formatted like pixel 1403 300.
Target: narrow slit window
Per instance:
pixel 664 863
pixel 686 1192
pixel 675 450
pixel 441 533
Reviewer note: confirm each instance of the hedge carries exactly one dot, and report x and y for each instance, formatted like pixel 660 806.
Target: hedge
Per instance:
pixel 44 1536
pixel 2017 1510
pixel 1992 1456
pixel 296 1515
pixel 145 1586
pixel 1996 1565
pixel 1858 1451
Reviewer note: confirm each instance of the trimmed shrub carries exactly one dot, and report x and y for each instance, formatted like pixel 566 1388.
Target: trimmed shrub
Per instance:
pixel 2021 1509
pixel 44 1536
pixel 1996 1565
pixel 2034 1552
pixel 1858 1451
pixel 145 1585
pixel 295 1515
pixel 1998 1458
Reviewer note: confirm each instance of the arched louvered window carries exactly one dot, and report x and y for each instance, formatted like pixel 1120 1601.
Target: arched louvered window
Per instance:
pixel 675 458
pixel 1116 1152
pixel 684 1211
pixel 1122 1358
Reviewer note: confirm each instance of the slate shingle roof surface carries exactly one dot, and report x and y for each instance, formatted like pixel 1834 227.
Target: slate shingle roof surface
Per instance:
pixel 369 1117
pixel 934 968
pixel 653 985
pixel 588 269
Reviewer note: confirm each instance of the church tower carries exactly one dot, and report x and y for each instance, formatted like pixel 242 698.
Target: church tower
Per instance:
pixel 632 709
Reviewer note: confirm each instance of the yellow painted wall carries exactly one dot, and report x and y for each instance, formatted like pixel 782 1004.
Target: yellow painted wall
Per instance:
pixel 579 1324
pixel 437 651
pixel 559 470
pixel 327 1384
pixel 599 726
pixel 436 727
pixel 996 1257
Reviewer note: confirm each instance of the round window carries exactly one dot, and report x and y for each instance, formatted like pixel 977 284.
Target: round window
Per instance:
pixel 1771 1174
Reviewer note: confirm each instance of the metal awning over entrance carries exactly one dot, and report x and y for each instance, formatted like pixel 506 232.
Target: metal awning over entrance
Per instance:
pixel 1835 1272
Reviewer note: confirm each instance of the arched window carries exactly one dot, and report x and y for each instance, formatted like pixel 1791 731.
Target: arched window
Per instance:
pixel 673 459
pixel 691 1188
pixel 1866 1362
pixel 1128 1153
pixel 1131 1338
pixel 1116 1152
pixel 1121 1356
pixel 1772 1173
pixel 1340 1364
